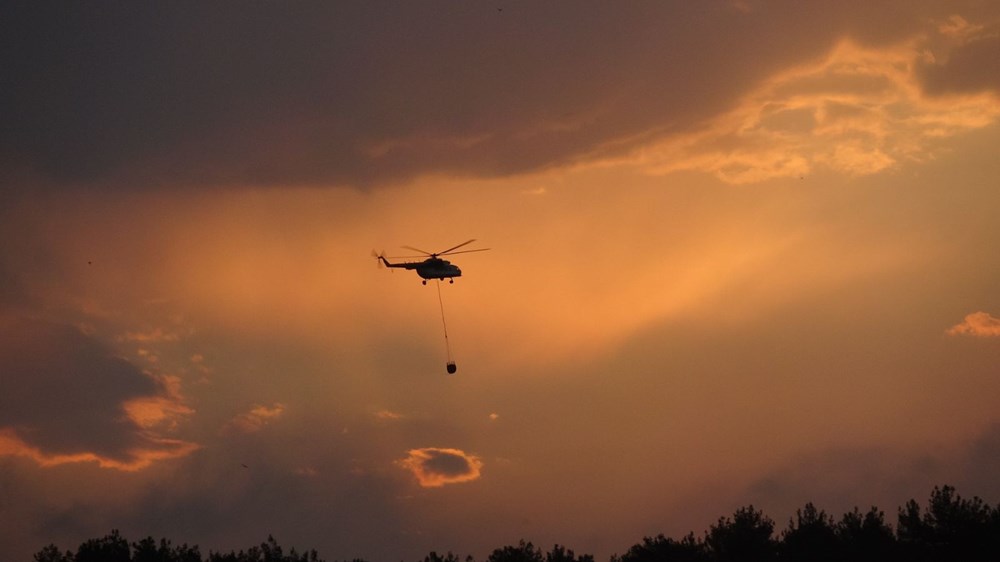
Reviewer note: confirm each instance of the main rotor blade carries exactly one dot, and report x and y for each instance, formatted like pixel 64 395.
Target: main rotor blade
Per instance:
pixel 426 253
pixel 464 252
pixel 456 247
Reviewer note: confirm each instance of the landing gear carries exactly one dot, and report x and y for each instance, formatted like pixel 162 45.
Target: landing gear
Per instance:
pixel 450 280
pixel 424 281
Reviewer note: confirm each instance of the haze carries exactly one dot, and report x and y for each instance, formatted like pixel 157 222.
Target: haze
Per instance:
pixel 741 252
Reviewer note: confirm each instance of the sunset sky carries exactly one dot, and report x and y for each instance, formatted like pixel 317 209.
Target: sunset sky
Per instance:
pixel 741 252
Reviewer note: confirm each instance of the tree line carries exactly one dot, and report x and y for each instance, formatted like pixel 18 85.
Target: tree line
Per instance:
pixel 950 528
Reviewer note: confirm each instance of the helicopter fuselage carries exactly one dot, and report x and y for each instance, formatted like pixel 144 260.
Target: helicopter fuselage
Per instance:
pixel 430 268
pixel 433 267
pixel 437 268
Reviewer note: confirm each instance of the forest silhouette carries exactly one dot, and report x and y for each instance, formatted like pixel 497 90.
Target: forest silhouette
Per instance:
pixel 950 528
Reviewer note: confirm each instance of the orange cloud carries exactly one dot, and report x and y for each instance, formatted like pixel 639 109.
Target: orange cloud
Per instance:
pixel 95 388
pixel 980 324
pixel 139 457
pixel 858 111
pixel 161 411
pixel 154 335
pixel 148 413
pixel 436 467
pixel 256 419
pixel 957 26
pixel 388 415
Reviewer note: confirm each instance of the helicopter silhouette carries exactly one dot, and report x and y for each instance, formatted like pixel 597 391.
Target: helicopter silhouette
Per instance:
pixel 433 267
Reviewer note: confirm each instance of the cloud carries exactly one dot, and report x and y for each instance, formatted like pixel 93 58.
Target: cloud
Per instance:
pixel 958 27
pixel 839 479
pixel 369 94
pixel 980 324
pixel 435 467
pixel 388 415
pixel 983 463
pixel 65 398
pixel 857 111
pixel 972 64
pixel 150 336
pixel 255 420
pixel 155 449
pixel 160 411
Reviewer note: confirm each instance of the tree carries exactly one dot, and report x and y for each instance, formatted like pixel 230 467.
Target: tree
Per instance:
pixel 435 557
pixel 952 528
pixel 810 537
pixel 271 551
pixel 147 550
pixel 866 537
pixel 523 552
pixel 561 554
pixel 111 548
pixel 51 553
pixel 664 549
pixel 747 536
pixel 268 551
pixel 252 554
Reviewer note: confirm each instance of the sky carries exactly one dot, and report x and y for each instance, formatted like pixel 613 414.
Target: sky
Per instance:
pixel 740 252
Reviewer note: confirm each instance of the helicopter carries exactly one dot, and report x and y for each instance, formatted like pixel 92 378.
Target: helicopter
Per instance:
pixel 432 267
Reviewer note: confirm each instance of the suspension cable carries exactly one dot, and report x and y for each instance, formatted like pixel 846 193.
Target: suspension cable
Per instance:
pixel 447 347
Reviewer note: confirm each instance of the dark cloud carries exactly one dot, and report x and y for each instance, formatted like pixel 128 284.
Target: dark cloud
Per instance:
pixel 11 290
pixel 972 67
pixel 209 500
pixel 446 463
pixel 436 467
pixel 983 464
pixel 197 94
pixel 840 479
pixel 62 391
